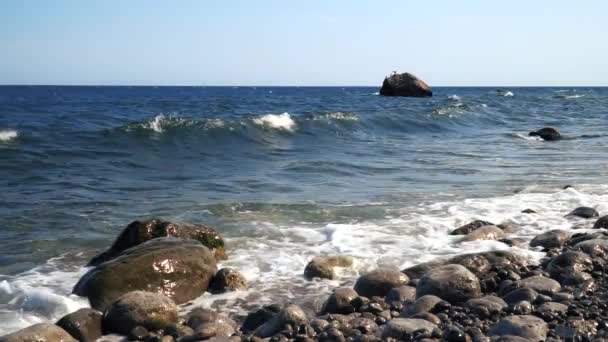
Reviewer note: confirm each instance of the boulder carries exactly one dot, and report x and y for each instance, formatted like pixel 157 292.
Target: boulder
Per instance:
pixel 593 247
pixel 401 294
pixel 138 232
pixel 42 332
pixel 540 284
pixel 471 226
pixel 486 306
pixel 402 329
pixel 84 324
pixel 152 311
pixel 452 282
pixel 526 326
pixel 423 304
pixel 259 317
pixel 552 239
pixel 546 133
pixel 201 316
pixel 379 282
pixel 179 269
pixel 553 308
pixel 602 222
pixel 569 263
pixel 485 233
pixel 519 295
pixel 291 315
pixel 405 84
pixel 226 280
pixel 340 301
pixel 584 212
pixel 323 266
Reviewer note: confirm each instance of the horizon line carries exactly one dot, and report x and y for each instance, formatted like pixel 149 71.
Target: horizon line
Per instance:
pixel 293 86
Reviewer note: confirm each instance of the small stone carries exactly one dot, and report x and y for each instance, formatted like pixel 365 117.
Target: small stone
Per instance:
pixel 324 266
pixel 404 328
pixel 152 311
pixel 518 295
pixel 226 280
pixel 84 324
pixel 292 315
pixel 525 326
pixel 454 283
pixel 422 304
pixel 552 239
pixel 584 212
pixel 602 222
pixel 340 301
pixel 541 285
pixel 380 282
pixel 401 294
pixel 469 227
pixel 138 333
pixel 485 233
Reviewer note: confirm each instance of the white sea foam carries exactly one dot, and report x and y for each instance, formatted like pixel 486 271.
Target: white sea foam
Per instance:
pixel 39 295
pixel 7 135
pixel 156 124
pixel 573 96
pixel 272 253
pixel 278 121
pixel 454 97
pixel 527 137
pixel 507 93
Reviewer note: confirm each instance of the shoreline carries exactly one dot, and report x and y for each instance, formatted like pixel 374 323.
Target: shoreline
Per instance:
pixel 517 268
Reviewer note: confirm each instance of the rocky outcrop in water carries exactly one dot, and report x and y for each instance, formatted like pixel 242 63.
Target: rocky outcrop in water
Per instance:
pixel 179 269
pixel 138 232
pixel 546 133
pixel 84 325
pixel 405 84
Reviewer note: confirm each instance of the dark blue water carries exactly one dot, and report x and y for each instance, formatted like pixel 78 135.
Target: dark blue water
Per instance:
pixel 78 163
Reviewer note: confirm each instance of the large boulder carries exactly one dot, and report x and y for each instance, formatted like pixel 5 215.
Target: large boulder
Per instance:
pixel 42 332
pixel 138 232
pixel 552 239
pixel 323 266
pixel 402 329
pixel 405 84
pixel 453 283
pixel 84 324
pixel 526 326
pixel 593 247
pixel 380 282
pixel 179 269
pixel 469 227
pixel 152 311
pixel 569 263
pixel 546 133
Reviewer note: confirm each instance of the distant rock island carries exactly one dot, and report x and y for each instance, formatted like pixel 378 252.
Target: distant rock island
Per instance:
pixel 405 84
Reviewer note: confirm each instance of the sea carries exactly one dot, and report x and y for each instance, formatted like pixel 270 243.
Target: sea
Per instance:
pixel 285 174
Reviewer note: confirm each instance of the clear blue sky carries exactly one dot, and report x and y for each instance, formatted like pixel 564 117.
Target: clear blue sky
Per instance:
pixel 312 42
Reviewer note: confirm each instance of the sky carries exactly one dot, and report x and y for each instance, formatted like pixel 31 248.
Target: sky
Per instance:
pixel 303 43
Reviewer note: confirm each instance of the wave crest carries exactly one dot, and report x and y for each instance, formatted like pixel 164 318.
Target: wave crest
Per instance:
pixel 278 121
pixel 7 135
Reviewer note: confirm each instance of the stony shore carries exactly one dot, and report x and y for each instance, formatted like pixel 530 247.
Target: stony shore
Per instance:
pixel 137 285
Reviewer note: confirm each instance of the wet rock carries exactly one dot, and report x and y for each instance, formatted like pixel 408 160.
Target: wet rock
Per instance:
pixel 42 332
pixel 401 294
pixel 594 247
pixel 577 330
pixel 179 269
pixel 540 284
pixel 520 308
pixel 422 304
pixel 405 84
pixel 138 232
pixel 291 315
pixel 201 316
pixel 528 211
pixel 259 317
pixel 470 227
pixel 485 306
pixel 84 324
pixel 553 308
pixel 569 263
pixel 380 282
pixel 178 331
pixel 138 333
pixel 324 266
pixel 584 212
pixel 428 317
pixel 152 311
pixel 331 335
pixel 552 239
pixel 526 326
pixel 485 233
pixel 340 301
pixel 226 280
pixel 521 294
pixel 482 263
pixel 546 133
pixel 403 328
pixel 562 297
pixel 365 325
pixel 602 222
pixel 208 330
pixel 454 283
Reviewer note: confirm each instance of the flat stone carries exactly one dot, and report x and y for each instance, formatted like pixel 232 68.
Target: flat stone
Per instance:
pixel 402 328
pixel 152 311
pixel 526 326
pixel 540 284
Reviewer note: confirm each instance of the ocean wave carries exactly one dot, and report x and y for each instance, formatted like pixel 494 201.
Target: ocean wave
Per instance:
pixel 454 97
pixel 7 135
pixel 278 121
